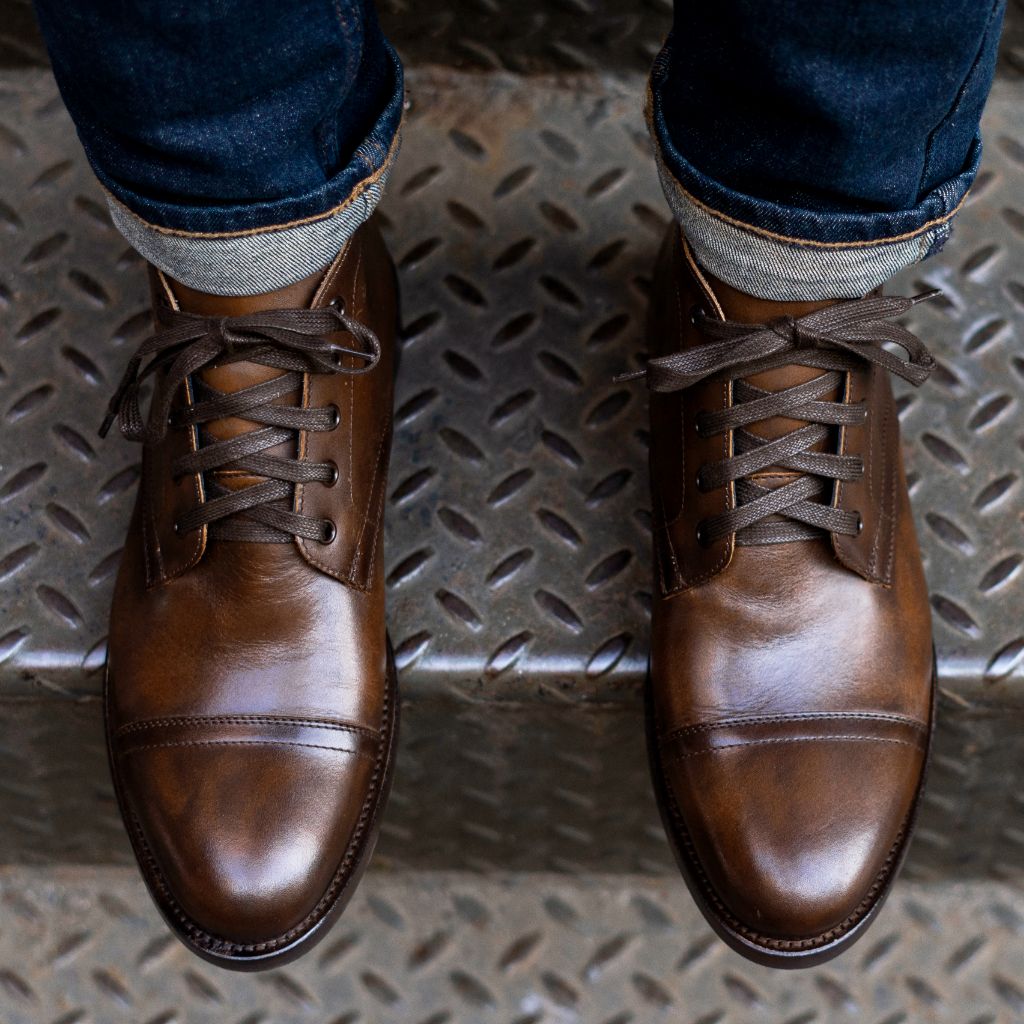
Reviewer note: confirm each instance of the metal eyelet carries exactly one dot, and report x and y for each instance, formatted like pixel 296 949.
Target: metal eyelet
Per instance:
pixel 697 314
pixel 177 528
pixel 338 303
pixel 328 531
pixel 700 481
pixel 335 416
pixel 333 479
pixel 702 536
pixel 860 524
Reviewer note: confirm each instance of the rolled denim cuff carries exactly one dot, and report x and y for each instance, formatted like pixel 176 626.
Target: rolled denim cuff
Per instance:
pixel 785 253
pixel 252 248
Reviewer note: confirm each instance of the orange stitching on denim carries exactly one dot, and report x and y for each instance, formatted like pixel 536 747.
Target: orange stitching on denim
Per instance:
pixel 809 242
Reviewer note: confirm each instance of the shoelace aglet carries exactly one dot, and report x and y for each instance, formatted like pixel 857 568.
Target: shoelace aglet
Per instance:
pixel 108 421
pixel 130 376
pixel 925 296
pixel 624 378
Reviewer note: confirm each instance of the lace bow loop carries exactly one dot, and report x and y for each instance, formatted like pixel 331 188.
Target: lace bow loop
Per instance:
pixel 836 339
pixel 294 341
pixel 860 327
pixel 290 339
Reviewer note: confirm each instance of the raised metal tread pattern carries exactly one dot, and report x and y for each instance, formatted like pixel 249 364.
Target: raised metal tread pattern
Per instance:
pixel 458 949
pixel 524 222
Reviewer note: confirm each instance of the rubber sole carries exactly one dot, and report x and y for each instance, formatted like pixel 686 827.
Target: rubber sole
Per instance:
pixel 344 882
pixel 815 953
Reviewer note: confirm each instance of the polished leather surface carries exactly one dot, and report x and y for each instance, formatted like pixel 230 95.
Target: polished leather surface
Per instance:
pixel 248 699
pixel 791 684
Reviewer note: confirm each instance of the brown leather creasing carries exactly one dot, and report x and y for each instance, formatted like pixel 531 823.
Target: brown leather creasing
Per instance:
pixel 362 281
pixel 676 451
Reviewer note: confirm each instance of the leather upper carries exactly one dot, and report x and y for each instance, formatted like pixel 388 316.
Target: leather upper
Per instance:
pixel 791 682
pixel 248 700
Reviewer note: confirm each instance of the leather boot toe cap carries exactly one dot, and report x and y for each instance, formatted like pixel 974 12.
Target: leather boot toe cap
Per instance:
pixel 247 844
pixel 796 836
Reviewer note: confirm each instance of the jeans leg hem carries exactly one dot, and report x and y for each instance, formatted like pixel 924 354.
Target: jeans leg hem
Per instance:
pixel 261 259
pixel 781 270
pixel 788 253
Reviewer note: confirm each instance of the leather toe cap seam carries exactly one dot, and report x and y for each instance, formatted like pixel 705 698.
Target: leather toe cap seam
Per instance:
pixel 354 851
pixel 701 883
pixel 815 716
pixel 244 743
pixel 851 738
pixel 200 721
pixel 244 730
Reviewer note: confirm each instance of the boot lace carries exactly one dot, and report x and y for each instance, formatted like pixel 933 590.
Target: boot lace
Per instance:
pixel 296 341
pixel 836 339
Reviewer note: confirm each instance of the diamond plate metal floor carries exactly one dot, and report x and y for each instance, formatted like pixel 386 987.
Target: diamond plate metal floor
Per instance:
pixel 524 221
pixel 524 215
pixel 87 946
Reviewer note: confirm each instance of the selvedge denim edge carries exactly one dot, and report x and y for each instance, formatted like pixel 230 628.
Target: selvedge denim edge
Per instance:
pixel 301 234
pixel 790 254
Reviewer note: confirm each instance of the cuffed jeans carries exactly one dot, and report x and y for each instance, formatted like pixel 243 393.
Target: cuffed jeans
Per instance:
pixel 812 149
pixel 240 142
pixel 809 150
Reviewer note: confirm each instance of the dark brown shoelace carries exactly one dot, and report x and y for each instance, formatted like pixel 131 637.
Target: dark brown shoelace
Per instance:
pixel 296 341
pixel 836 339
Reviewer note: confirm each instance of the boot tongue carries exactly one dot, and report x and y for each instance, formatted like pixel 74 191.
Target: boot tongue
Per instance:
pixel 743 308
pixel 239 375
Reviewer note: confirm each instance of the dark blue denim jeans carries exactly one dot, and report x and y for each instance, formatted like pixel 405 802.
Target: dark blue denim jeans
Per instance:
pixel 808 148
pixel 812 148
pixel 240 142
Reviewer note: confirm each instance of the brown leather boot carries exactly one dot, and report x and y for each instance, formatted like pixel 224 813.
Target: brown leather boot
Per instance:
pixel 791 688
pixel 251 699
